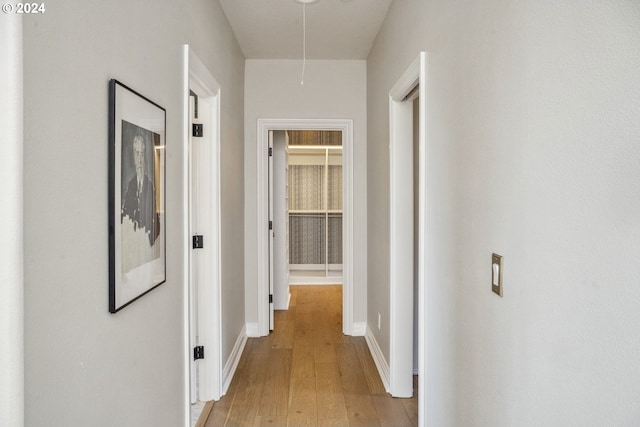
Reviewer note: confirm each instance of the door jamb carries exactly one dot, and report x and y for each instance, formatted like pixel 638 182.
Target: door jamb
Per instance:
pixel 12 292
pixel 346 127
pixel 401 289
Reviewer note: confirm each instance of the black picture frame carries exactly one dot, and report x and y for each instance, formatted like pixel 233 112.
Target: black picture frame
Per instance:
pixel 137 223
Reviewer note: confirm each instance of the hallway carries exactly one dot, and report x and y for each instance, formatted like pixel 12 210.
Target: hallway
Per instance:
pixel 307 373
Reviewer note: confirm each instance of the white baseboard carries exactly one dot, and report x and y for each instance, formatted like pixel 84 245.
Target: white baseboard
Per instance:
pixel 378 358
pixel 303 280
pixel 284 306
pixel 311 274
pixel 232 362
pixel 359 329
pixel 253 331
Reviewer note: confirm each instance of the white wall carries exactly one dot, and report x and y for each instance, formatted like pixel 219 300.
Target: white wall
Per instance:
pixel 332 89
pixel 534 153
pixel 83 365
pixel 11 247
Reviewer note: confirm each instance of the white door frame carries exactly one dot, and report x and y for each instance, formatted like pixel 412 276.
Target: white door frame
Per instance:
pixel 346 127
pixel 207 305
pixel 11 223
pixel 401 230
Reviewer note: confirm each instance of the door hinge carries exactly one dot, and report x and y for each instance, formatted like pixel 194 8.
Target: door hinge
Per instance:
pixel 195 103
pixel 198 242
pixel 197 130
pixel 270 298
pixel 270 151
pixel 198 352
pixel 270 225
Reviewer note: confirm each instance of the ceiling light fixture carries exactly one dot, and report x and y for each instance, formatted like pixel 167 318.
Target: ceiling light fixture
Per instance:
pixel 304 35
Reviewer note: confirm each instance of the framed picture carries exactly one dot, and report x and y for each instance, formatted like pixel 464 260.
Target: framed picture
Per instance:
pixel 137 225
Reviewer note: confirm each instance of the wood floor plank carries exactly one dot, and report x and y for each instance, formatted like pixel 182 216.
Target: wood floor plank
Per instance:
pixel 351 374
pixel 260 345
pixel 361 410
pixel 331 405
pixel 220 411
pixel 323 342
pixel 279 315
pixel 333 422
pixel 303 330
pixel 245 354
pixel 391 412
pixel 282 337
pixel 334 307
pixel 270 421
pixel 305 296
pixel 217 417
pixel 302 390
pixel 275 399
pixel 244 407
pixel 204 416
pixel 376 387
pixel 301 419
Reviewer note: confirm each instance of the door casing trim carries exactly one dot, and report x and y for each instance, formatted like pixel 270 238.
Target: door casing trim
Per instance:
pixel 262 247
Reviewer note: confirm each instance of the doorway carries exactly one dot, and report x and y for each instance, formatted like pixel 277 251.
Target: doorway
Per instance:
pixel 265 126
pixel 306 199
pixel 314 166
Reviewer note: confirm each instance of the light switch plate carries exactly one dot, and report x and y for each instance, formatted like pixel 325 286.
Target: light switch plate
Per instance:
pixel 496 277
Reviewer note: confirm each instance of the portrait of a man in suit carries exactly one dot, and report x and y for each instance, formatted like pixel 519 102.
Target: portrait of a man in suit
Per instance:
pixel 139 209
pixel 138 203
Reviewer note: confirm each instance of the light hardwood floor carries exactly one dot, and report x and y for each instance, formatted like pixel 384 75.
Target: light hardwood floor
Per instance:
pixel 307 373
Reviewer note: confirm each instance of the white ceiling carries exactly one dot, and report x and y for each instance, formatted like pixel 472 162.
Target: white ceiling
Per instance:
pixel 336 29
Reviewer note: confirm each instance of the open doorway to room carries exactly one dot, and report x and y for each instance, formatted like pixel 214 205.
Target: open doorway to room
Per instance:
pixel 312 207
pixel 337 214
pixel 305 195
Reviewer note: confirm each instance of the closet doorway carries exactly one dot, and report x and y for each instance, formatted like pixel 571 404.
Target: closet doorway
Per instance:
pixel 305 197
pixel 314 214
pixel 336 219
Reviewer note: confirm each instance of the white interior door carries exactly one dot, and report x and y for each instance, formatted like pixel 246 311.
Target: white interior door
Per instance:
pixel 271 232
pixel 203 267
pixel 280 203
